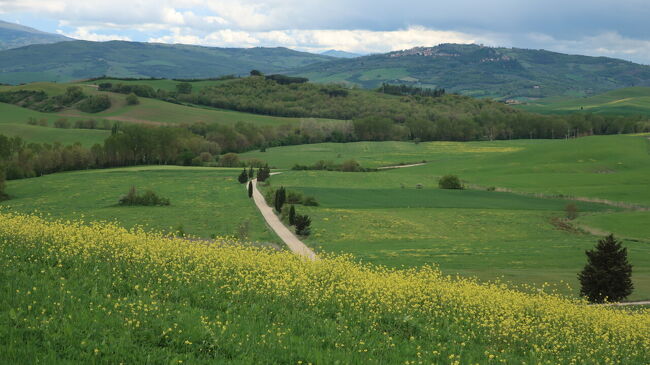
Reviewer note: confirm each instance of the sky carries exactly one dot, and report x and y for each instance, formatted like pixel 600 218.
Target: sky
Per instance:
pixel 597 28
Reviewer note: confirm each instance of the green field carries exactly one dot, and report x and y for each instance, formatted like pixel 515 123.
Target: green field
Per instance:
pixel 626 101
pixel 163 84
pixel 205 201
pixel 73 294
pixel 382 218
pixel 148 111
pixel 13 122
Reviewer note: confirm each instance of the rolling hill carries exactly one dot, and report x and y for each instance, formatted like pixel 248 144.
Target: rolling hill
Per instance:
pixel 76 60
pixel 485 71
pixel 626 101
pixel 16 35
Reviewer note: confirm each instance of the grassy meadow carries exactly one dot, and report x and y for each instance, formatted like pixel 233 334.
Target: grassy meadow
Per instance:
pixel 13 122
pixel 205 201
pixel 73 293
pixel 381 217
pixel 148 111
pixel 626 101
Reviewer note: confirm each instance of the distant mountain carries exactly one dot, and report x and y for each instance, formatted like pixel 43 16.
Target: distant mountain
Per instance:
pixel 16 35
pixel 74 60
pixel 485 71
pixel 340 54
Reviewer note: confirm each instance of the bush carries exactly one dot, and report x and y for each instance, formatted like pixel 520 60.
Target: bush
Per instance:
pixel 62 123
pixel 294 197
pixel 132 99
pixel 450 182
pixel 571 211
pixel 302 223
pixel 229 160
pixel 95 104
pixel 310 201
pixel 350 166
pixel 149 198
pixel 607 275
pixel 243 177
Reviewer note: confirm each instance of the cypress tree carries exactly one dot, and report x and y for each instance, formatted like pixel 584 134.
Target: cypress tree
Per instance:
pixel 607 275
pixel 243 177
pixel 251 173
pixel 292 215
pixel 263 173
pixel 250 189
pixel 280 198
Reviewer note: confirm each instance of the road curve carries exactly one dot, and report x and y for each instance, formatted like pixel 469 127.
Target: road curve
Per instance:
pixel 290 239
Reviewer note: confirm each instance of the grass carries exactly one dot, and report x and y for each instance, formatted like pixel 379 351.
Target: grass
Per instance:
pixel 76 294
pixel 381 217
pixel 606 167
pixel 205 201
pixel 13 122
pixel 151 111
pixel 626 101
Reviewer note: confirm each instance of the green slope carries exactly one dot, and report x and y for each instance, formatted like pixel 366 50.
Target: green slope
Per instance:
pixel 382 218
pixel 204 201
pixel 82 59
pixel 485 71
pixel 626 101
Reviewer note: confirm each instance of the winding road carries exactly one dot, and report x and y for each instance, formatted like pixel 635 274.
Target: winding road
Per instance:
pixel 296 245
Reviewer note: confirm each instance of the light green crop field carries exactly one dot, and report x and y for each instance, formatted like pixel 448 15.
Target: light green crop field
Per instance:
pixel 606 167
pixel 627 101
pixel 13 122
pixel 477 232
pixel 205 201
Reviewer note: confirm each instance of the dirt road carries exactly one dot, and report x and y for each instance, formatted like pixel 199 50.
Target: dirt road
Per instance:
pixel 290 239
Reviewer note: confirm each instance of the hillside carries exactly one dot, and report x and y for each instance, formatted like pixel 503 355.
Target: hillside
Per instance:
pixel 16 35
pixel 626 101
pixel 484 71
pixel 83 59
pixel 340 54
pixel 100 294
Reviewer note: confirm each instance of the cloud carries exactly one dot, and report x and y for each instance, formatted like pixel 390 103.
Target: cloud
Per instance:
pixel 362 41
pixel 87 34
pixel 616 28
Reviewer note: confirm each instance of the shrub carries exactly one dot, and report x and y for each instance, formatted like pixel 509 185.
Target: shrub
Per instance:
pixel 149 198
pixel 607 275
pixel 229 160
pixel 310 201
pixel 294 197
pixel 243 177
pixel 263 173
pixel 206 157
pixel 132 99
pixel 302 223
pixel 450 182
pixel 95 104
pixel 62 123
pixel 350 166
pixel 571 211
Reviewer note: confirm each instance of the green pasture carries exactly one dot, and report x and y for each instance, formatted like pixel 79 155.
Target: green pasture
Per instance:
pixel 626 101
pixel 615 167
pixel 490 235
pixel 205 201
pixel 13 122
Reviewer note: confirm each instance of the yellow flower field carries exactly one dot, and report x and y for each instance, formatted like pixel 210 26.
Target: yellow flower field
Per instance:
pixel 95 292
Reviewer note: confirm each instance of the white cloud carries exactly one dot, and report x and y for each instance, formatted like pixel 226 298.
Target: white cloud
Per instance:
pixel 87 34
pixel 361 41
